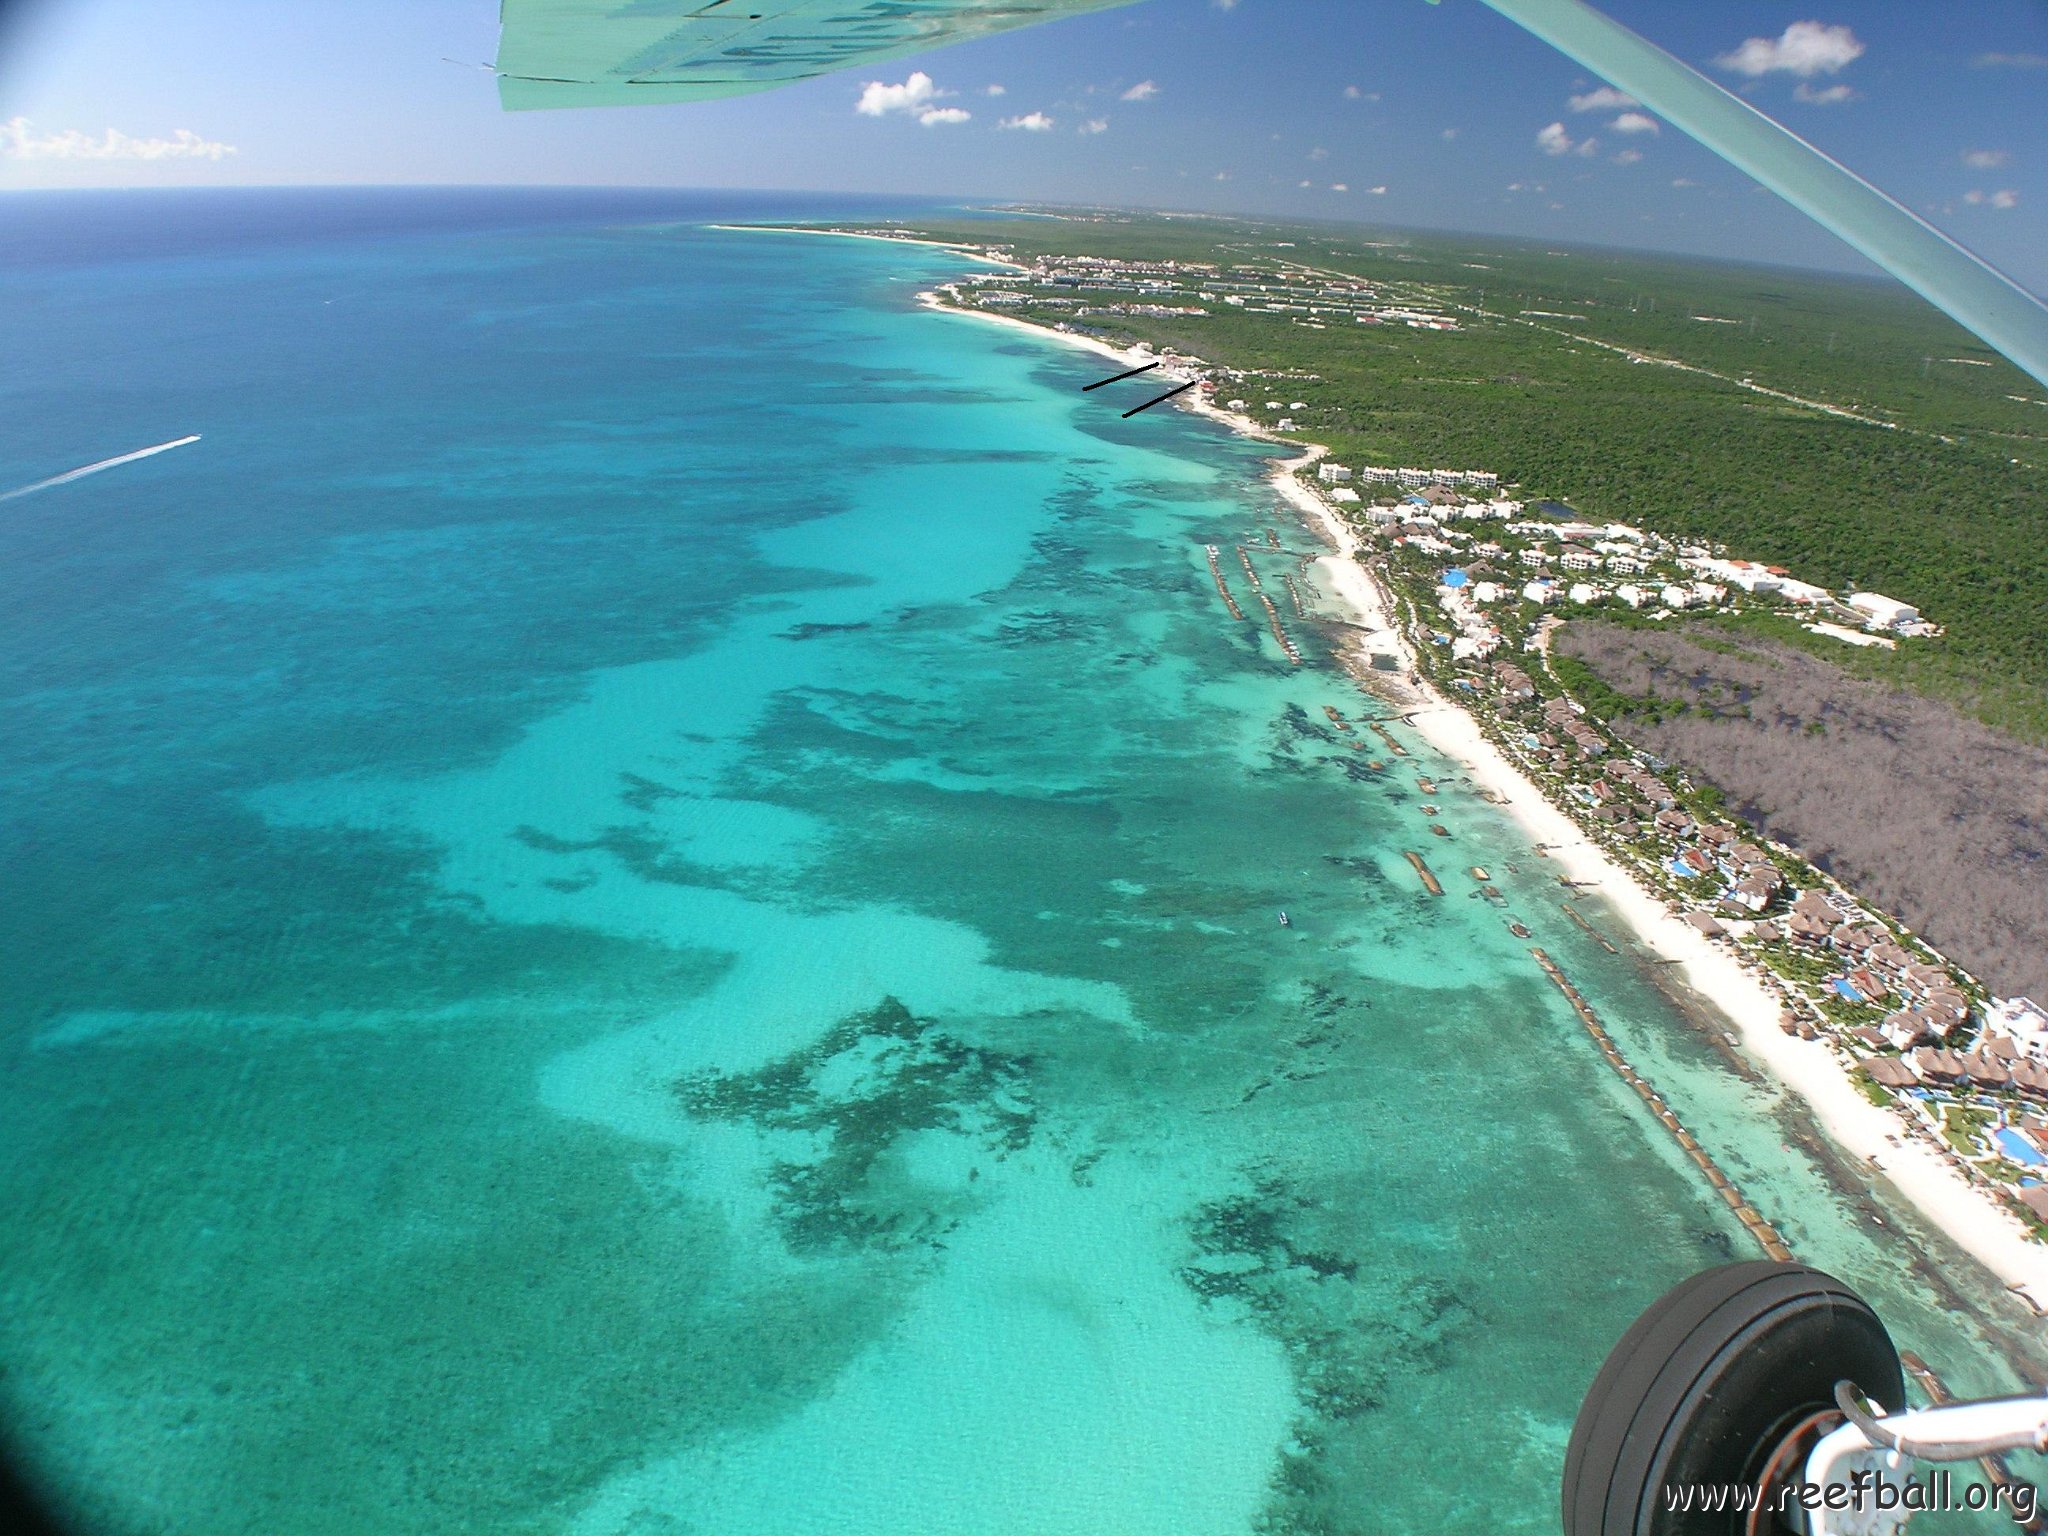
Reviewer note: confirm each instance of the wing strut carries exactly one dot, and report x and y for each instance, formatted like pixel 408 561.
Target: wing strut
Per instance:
pixel 1964 286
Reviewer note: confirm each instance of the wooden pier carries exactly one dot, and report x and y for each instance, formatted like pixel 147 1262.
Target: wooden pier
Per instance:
pixel 1222 586
pixel 1765 1234
pixel 1430 883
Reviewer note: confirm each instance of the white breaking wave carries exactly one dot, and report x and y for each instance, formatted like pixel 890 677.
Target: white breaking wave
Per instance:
pixel 92 469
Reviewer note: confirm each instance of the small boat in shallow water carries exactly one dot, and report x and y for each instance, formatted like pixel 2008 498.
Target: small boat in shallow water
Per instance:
pixel 1284 923
pixel 1518 930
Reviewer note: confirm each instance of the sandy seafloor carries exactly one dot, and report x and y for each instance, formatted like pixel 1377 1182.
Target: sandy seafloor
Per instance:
pixel 642 899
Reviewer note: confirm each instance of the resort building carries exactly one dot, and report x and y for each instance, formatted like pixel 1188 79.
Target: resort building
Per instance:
pixel 1881 612
pixel 2022 1021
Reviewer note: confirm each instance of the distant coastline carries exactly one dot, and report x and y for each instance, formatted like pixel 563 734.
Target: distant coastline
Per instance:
pixel 1867 1135
pixel 966 251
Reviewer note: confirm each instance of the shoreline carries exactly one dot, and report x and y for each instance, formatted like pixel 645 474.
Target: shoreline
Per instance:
pixel 948 246
pixel 1872 1140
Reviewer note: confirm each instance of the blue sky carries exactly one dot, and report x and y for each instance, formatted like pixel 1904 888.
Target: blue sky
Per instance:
pixel 1380 111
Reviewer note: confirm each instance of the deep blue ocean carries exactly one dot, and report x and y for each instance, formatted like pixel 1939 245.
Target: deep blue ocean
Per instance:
pixel 640 898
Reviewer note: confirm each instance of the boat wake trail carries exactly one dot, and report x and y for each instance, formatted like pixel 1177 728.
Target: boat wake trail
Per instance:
pixel 93 469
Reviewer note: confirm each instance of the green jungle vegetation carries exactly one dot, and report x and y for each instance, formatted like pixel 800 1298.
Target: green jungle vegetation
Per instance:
pixel 1946 507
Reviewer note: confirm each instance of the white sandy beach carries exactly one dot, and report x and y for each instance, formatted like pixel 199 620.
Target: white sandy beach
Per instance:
pixel 1872 1137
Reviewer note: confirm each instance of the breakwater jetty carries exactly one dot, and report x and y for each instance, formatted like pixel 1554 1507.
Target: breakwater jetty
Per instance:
pixel 1765 1234
pixel 1279 631
pixel 1598 937
pixel 1222 586
pixel 1280 635
pixel 1430 882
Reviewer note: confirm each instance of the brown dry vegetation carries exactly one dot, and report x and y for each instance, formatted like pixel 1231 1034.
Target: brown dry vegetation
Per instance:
pixel 1933 816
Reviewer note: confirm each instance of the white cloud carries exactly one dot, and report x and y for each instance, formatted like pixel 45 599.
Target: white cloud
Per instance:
pixel 1144 90
pixel 1588 148
pixel 1319 153
pixel 1448 134
pixel 1377 191
pixel 1338 186
pixel 1822 96
pixel 1094 125
pixel 2011 61
pixel 1628 157
pixel 1684 181
pixel 993 90
pixel 1986 159
pixel 20 141
pixel 1605 98
pixel 931 117
pixel 1554 140
pixel 1635 122
pixel 1224 175
pixel 1304 183
pixel 1030 122
pixel 1352 93
pixel 879 100
pixel 2006 198
pixel 1806 48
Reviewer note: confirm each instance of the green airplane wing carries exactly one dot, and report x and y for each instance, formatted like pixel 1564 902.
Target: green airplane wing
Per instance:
pixel 611 53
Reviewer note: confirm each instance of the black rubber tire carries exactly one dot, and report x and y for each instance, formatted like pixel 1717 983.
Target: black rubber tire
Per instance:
pixel 1706 1384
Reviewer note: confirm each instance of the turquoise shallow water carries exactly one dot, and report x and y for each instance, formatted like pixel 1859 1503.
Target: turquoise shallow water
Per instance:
pixel 642 900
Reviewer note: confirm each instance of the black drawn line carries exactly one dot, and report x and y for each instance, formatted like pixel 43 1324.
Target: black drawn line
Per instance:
pixel 1100 382
pixel 1191 383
